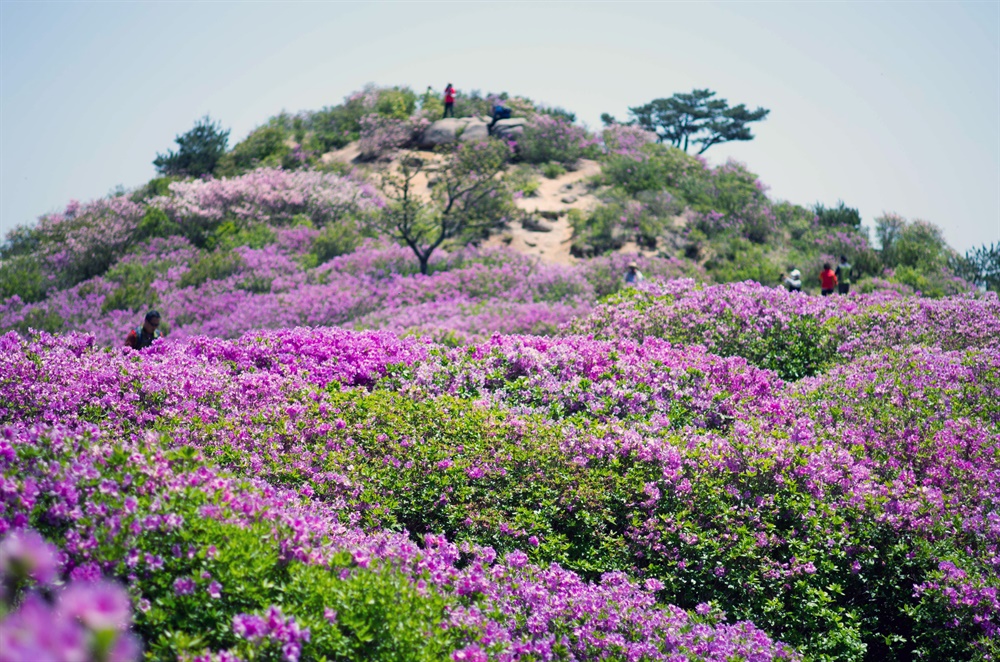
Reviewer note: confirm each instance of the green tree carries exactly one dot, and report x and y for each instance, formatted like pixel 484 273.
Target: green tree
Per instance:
pixel 979 265
pixel 837 216
pixel 198 150
pixel 696 118
pixel 471 195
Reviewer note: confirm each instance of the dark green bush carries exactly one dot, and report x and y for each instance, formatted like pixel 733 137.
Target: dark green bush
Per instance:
pixel 661 168
pixel 213 266
pixel 26 276
pixel 133 291
pixel 839 216
pixel 199 150
pixel 266 146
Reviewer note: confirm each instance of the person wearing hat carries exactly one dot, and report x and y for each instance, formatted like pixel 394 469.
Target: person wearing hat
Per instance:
pixel 633 276
pixel 794 281
pixel 143 336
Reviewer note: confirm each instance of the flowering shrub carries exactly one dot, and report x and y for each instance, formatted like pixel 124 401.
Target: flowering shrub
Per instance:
pixel 627 140
pixel 381 136
pixel 700 477
pixel 222 566
pixel 266 195
pixel 793 334
pixel 87 620
pixel 548 138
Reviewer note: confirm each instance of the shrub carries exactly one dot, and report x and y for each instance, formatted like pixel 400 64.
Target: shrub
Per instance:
pixel 653 168
pixel 26 276
pixel 335 240
pixel 199 150
pixel 838 216
pixel 265 147
pixel 213 266
pixel 553 170
pixel 382 135
pixel 547 138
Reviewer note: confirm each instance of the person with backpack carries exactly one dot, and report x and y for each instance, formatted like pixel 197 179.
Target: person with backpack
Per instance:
pixel 143 336
pixel 843 274
pixel 500 112
pixel 449 101
pixel 827 280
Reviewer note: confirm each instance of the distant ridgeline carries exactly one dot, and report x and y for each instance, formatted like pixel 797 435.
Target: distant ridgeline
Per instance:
pixel 258 235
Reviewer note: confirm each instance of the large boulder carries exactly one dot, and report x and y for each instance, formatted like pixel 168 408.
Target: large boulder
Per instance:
pixel 441 132
pixel 533 224
pixel 475 131
pixel 509 129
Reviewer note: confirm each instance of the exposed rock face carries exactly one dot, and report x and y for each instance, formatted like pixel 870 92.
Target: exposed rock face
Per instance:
pixel 469 129
pixel 450 129
pixel 533 224
pixel 441 132
pixel 475 130
pixel 509 129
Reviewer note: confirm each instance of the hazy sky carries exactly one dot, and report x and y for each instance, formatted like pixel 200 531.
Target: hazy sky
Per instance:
pixel 890 106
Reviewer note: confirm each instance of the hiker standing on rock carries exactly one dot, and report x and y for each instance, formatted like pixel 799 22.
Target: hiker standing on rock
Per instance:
pixel 143 336
pixel 827 280
pixel 843 274
pixel 449 101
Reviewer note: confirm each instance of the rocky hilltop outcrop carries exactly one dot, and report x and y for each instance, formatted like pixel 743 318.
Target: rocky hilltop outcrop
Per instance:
pixel 453 129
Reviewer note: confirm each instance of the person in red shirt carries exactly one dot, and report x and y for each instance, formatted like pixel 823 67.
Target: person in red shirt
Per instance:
pixel 449 101
pixel 827 280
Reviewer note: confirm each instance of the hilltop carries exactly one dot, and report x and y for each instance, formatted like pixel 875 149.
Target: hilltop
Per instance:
pixel 257 235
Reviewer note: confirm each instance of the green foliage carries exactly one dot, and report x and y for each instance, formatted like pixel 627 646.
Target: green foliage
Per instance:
pixel 230 234
pixel 553 169
pixel 336 239
pixel 133 280
pixel 213 266
pixel 156 223
pixel 39 319
pixel 199 150
pixel 599 232
pixel 979 265
pixel 158 186
pixel 739 260
pixel 838 216
pixel 396 103
pixel 471 198
pixel 696 118
pixel 662 168
pixel 266 146
pixel 26 276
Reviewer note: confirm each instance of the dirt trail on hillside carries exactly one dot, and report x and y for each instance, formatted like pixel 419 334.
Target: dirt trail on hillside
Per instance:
pixel 551 202
pixel 554 197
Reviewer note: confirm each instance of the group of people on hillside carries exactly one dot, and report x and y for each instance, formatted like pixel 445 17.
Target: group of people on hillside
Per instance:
pixel 500 112
pixel 829 279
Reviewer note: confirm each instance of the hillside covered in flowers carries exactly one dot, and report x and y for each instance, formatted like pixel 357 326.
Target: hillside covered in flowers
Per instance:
pixel 334 456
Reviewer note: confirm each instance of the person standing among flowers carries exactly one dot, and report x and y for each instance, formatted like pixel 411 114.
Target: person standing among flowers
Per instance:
pixel 633 276
pixel 794 281
pixel 843 274
pixel 449 101
pixel 143 336
pixel 827 280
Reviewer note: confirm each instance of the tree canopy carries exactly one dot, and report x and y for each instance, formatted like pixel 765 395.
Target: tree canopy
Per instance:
pixel 199 150
pixel 471 195
pixel 696 118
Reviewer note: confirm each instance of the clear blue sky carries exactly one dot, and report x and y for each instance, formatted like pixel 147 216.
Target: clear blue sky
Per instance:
pixel 889 106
